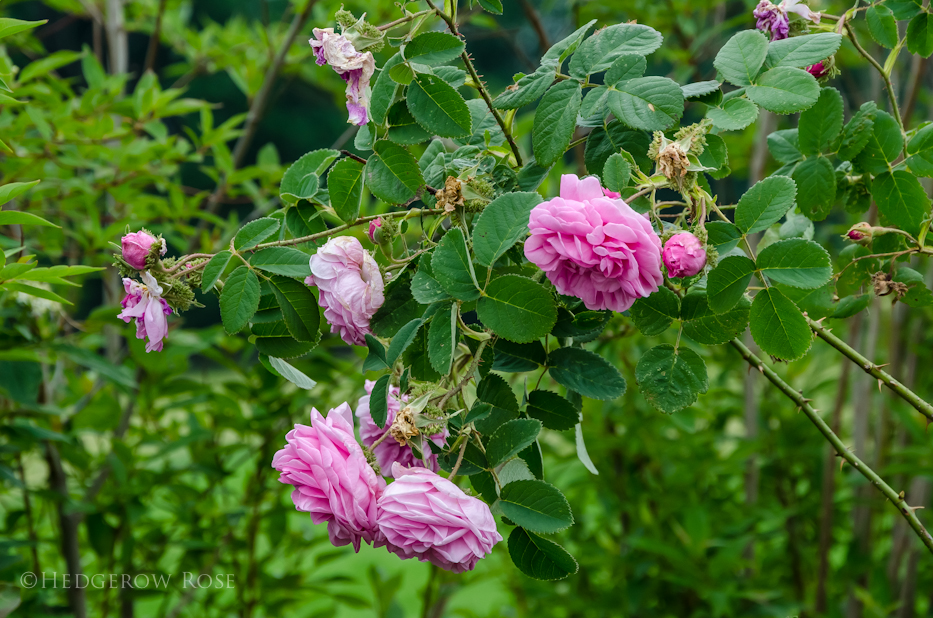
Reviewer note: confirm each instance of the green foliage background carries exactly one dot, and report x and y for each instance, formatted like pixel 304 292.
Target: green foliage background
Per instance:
pixel 165 458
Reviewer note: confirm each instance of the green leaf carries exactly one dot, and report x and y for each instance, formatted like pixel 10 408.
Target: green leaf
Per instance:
pixel 403 129
pixel 345 187
pixel 552 410
pixel 299 308
pixel 540 558
pixel 433 48
pixel 214 269
pixel 778 327
pixel 517 308
pixel 785 146
pixel 857 132
pixel 501 224
pixel 255 232
pixel 438 107
pixel 561 50
pixel 726 284
pixel 802 51
pixel 723 235
pixel 586 373
pixel 379 401
pixel 820 125
pixel 491 6
pixel 239 299
pixel 280 261
pixel 884 145
pixel 654 314
pixel 784 90
pixel 699 90
pixel 734 115
pixel 817 303
pixel 518 357
pixel 22 288
pixel 816 187
pixel 625 68
pixel 882 25
pixel 901 200
pixel 45 65
pixel 9 26
pixel 376 359
pixel 918 294
pixel 274 340
pixel 15 217
pixel 442 339
pixel 418 358
pixel 764 204
pixel 604 142
pixel 649 103
pixel 425 287
pixel 526 90
pixel 291 374
pixel 708 328
pixel 13 190
pixel 796 262
pixel 302 180
pixel 742 57
pixel 670 378
pixel 920 35
pixel 402 339
pixel 510 438
pixel 616 173
pixel 598 52
pixel 555 120
pixel 399 308
pixel 920 149
pixel 904 9
pixel 453 268
pixel 496 392
pixel 384 90
pixel 536 506
pixel 393 174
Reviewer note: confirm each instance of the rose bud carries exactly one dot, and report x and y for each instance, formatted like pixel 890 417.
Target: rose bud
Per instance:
pixel 136 247
pixel 684 255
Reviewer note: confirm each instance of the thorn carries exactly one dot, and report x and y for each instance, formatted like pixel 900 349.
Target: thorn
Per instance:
pixel 761 369
pixel 879 385
pixel 901 495
pixel 914 508
pixel 883 365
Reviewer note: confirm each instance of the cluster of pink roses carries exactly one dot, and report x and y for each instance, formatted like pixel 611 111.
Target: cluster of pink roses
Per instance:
pixel 594 246
pixel 143 301
pixel 419 515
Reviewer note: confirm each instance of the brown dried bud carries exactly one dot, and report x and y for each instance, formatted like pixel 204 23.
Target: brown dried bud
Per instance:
pixel 672 162
pixel 403 427
pixel 884 286
pixel 451 196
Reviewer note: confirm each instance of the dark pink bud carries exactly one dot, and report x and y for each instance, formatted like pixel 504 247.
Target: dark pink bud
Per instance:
pixel 684 255
pixel 374 225
pixel 136 247
pixel 817 70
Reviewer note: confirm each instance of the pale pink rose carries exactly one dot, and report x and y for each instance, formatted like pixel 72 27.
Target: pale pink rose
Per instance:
pixel 425 516
pixel 354 67
pixel 389 451
pixel 351 287
pixel 332 480
pixel 684 255
pixel 144 303
pixel 594 247
pixel 136 247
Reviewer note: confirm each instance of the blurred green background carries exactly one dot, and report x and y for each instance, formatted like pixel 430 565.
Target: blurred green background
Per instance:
pixel 130 463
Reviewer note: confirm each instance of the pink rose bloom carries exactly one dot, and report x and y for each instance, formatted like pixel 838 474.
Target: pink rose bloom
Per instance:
pixel 425 516
pixel 594 247
pixel 332 480
pixel 817 70
pixel 374 225
pixel 684 255
pixel 351 288
pixel 136 247
pixel 144 303
pixel 773 19
pixel 354 67
pixel 389 451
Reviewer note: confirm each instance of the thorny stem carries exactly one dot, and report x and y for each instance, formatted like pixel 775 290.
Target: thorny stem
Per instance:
pixel 456 467
pixel 873 370
pixel 804 404
pixel 887 79
pixel 479 84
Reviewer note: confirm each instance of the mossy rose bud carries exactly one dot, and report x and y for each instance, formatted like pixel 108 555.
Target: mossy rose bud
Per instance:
pixel 136 247
pixel 684 255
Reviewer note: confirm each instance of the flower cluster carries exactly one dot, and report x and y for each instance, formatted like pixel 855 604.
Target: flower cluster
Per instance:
pixel 773 19
pixel 350 287
pixel 594 247
pixel 420 515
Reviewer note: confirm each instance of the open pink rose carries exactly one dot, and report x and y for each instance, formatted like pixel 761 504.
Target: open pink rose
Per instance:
pixel 136 246
pixel 144 303
pixel 389 451
pixel 351 288
pixel 332 480
pixel 354 67
pixel 594 247
pixel 425 516
pixel 684 255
